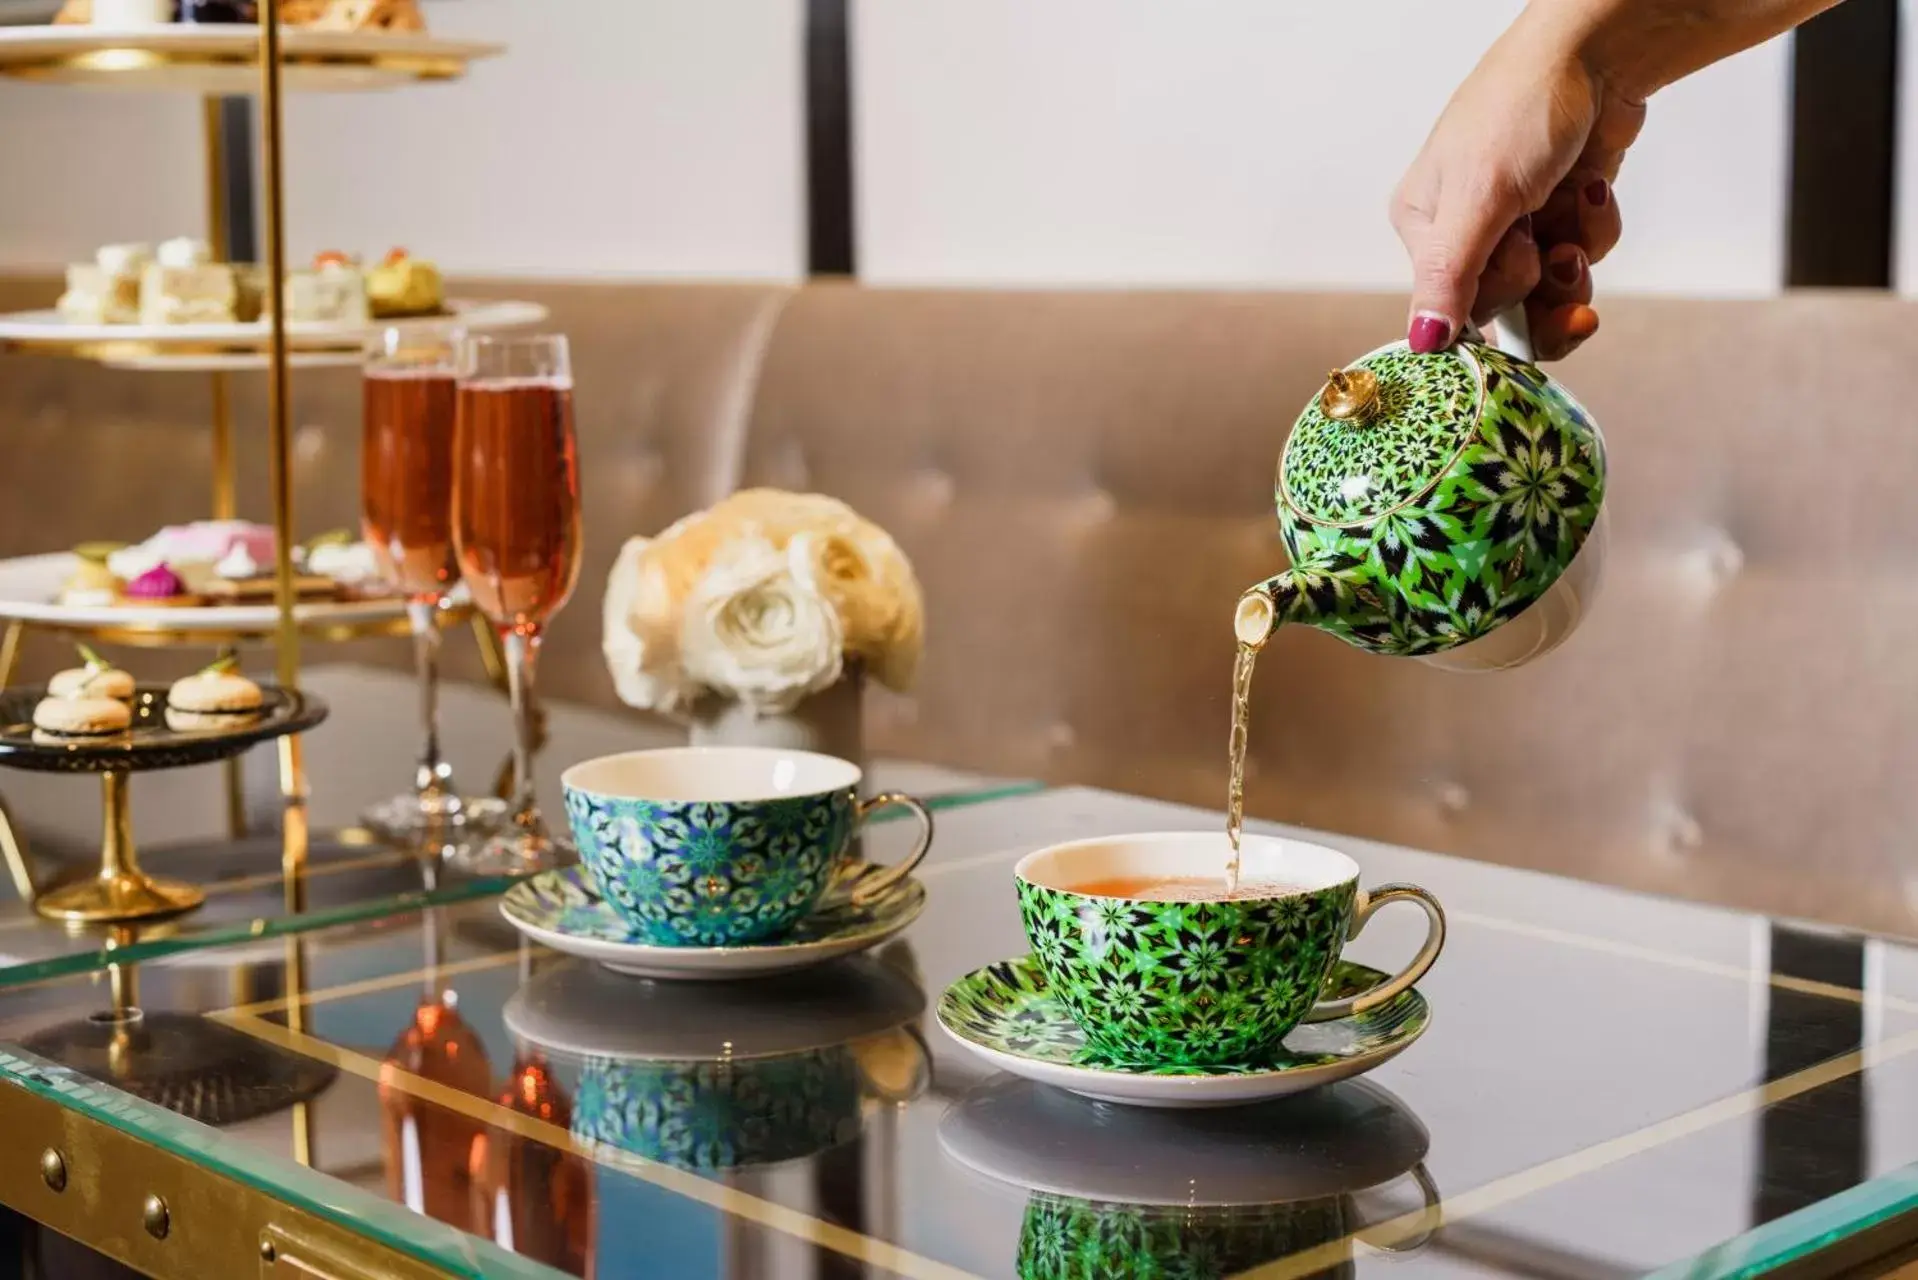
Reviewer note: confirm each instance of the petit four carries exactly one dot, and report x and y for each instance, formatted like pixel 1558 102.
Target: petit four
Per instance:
pixel 403 285
pixel 348 562
pixel 93 584
pixel 97 679
pixel 82 717
pixel 332 291
pixel 74 12
pixel 215 698
pixel 201 544
pixel 106 290
pixel 131 13
pixel 365 15
pixel 158 585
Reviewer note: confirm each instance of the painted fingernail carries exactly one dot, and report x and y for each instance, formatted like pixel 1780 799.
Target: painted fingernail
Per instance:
pixel 1597 192
pixel 1430 332
pixel 1565 264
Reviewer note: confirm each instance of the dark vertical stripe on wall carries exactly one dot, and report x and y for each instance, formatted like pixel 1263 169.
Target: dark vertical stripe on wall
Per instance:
pixel 237 151
pixel 1844 129
pixel 829 229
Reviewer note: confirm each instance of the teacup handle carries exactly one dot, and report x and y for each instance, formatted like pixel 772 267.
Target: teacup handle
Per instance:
pixel 876 882
pixel 1370 901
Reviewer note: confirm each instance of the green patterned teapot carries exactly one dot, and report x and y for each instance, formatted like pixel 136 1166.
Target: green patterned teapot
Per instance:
pixel 1440 506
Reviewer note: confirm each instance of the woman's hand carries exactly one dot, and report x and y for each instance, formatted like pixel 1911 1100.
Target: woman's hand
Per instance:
pixel 1511 197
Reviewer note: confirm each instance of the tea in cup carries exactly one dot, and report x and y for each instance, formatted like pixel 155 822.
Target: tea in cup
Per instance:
pixel 726 846
pixel 1160 966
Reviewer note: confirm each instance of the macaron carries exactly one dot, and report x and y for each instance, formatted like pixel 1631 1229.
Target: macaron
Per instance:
pixel 97 679
pixel 212 699
pixel 82 717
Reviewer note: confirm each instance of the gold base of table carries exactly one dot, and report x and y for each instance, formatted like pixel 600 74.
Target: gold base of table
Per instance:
pixel 120 892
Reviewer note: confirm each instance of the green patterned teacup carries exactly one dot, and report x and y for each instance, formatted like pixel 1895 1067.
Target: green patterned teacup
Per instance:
pixel 1209 983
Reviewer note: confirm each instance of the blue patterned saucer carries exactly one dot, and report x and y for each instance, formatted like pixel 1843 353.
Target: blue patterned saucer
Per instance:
pixel 1005 1014
pixel 563 910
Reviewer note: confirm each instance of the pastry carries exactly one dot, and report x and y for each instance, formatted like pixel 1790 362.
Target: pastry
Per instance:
pixel 106 290
pixel 97 679
pixel 74 12
pixel 82 717
pixel 368 15
pixel 158 585
pixel 131 13
pixel 216 698
pixel 93 584
pixel 194 549
pixel 333 291
pixel 350 563
pixel 403 285
pixel 208 294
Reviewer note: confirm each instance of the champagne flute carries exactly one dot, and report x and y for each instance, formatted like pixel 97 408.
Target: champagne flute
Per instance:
pixel 516 534
pixel 406 516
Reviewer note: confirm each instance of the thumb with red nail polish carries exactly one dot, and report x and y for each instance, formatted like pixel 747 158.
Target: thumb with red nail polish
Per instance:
pixel 1450 244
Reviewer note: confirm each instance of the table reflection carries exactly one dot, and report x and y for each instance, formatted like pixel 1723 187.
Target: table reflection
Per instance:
pixel 1121 1191
pixel 530 1197
pixel 427 1150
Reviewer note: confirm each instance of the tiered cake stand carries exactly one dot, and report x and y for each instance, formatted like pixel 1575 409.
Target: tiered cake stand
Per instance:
pixel 216 61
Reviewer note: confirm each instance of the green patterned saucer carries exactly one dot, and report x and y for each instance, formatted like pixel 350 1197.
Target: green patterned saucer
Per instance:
pixel 563 910
pixel 1005 1014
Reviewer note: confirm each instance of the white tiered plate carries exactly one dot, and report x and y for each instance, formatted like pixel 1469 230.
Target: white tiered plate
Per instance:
pixel 48 329
pixel 30 586
pixel 223 59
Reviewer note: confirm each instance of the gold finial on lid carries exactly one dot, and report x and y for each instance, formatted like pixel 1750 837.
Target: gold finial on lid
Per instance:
pixel 1350 395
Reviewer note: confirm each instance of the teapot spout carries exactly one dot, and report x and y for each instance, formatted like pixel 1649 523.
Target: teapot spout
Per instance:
pixel 1264 607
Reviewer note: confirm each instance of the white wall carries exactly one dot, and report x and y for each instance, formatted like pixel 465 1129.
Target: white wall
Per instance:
pixel 1245 142
pixel 617 137
pixel 1210 142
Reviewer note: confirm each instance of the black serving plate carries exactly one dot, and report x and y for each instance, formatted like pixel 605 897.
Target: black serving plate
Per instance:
pixel 149 744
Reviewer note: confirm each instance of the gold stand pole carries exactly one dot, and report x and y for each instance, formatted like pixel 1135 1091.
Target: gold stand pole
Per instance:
pixel 293 855
pixel 120 891
pixel 19 869
pixel 225 478
pixel 10 650
pixel 287 641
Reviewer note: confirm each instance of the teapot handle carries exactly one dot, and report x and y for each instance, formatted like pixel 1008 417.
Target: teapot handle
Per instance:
pixel 1509 331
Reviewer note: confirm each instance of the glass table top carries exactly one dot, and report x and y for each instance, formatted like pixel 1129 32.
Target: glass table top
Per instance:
pixel 1610 1085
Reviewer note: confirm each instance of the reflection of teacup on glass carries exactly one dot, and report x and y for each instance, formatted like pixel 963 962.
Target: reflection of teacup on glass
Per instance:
pixel 727 1075
pixel 1119 1191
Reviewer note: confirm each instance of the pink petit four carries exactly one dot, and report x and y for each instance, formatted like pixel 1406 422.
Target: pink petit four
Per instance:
pixel 157 583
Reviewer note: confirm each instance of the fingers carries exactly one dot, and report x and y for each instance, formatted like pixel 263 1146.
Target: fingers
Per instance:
pixel 1559 310
pixel 1558 331
pixel 1512 273
pixel 1583 211
pixel 1451 240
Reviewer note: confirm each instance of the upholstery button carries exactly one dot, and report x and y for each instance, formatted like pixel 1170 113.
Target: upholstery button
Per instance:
pixel 1093 508
pixel 1720 557
pixel 1060 737
pixel 1677 831
pixel 644 468
pixel 1453 797
pixel 932 489
pixel 309 442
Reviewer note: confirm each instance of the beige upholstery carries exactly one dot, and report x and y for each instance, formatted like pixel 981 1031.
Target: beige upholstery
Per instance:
pixel 1084 483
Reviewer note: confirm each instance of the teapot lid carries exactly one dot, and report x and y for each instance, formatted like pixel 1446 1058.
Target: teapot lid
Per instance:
pixel 1379 434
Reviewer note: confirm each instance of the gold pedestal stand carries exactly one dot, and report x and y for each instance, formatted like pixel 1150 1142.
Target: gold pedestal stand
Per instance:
pixel 120 891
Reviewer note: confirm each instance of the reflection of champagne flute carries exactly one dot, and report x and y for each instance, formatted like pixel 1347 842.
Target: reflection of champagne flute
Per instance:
pixel 516 531
pixel 428 1149
pixel 406 504
pixel 532 1196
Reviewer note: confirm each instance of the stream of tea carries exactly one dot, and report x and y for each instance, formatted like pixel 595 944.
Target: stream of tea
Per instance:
pixel 1241 726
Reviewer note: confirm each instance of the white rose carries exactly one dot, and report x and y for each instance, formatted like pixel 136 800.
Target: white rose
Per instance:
pixel 757 628
pixel 638 636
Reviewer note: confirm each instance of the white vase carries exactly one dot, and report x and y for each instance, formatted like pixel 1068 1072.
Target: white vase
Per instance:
pixel 829 722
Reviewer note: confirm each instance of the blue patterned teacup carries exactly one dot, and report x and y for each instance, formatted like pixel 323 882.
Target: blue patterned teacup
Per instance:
pixel 724 846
